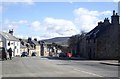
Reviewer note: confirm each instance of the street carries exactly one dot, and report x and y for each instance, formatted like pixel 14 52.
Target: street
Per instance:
pixel 44 67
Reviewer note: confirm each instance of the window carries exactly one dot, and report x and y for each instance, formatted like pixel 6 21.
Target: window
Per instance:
pixel 88 41
pixel 9 43
pixel 94 40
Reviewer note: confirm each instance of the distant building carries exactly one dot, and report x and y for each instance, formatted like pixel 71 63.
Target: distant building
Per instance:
pixel 37 47
pixel 8 41
pixel 30 46
pixel 45 48
pixel 23 46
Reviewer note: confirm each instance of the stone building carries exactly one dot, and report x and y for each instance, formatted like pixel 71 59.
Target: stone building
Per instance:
pixel 23 46
pixel 46 48
pixel 82 46
pixel 30 46
pixel 103 41
pixel 37 47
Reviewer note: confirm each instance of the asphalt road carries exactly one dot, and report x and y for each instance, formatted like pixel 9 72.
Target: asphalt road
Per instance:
pixel 43 67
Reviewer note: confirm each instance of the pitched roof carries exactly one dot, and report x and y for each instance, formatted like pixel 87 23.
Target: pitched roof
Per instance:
pixel 8 36
pixel 26 43
pixel 23 46
pixel 35 42
pixel 97 31
pixel 0 38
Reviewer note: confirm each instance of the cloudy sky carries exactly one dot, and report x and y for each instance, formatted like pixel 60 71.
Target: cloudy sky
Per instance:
pixel 44 20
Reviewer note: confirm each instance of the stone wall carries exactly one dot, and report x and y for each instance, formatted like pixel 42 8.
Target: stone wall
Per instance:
pixel 107 43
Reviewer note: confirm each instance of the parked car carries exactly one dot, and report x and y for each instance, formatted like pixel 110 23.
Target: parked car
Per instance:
pixel 62 54
pixel 33 54
pixel 69 54
pixel 24 54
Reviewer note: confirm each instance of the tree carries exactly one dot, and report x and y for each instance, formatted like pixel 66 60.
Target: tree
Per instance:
pixel 74 43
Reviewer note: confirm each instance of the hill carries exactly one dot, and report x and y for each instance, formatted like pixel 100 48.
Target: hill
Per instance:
pixel 57 40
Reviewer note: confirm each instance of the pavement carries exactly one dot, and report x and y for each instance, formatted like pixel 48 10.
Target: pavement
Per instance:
pixel 111 62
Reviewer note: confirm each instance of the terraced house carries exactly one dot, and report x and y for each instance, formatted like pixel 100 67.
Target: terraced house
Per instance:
pixel 23 46
pixel 8 40
pixel 30 46
pixel 103 41
pixel 37 47
pixel 1 43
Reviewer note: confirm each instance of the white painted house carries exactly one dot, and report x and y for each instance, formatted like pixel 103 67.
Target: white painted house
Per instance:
pixel 1 41
pixel 11 41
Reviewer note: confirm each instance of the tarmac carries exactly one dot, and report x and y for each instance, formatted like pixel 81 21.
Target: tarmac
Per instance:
pixel 106 62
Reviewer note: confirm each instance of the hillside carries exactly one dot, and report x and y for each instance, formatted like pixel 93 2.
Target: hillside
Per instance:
pixel 58 40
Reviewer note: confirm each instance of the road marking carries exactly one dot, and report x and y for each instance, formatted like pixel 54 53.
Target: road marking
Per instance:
pixel 88 73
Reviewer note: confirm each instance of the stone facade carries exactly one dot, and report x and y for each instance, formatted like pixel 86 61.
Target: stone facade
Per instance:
pixel 103 41
pixel 30 46
pixel 82 48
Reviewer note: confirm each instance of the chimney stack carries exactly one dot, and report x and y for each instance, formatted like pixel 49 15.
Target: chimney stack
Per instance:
pixel 11 32
pixel 29 40
pixel 106 21
pixel 115 18
pixel 35 39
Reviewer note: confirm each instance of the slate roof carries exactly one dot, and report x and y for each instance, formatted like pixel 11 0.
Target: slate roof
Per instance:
pixel 0 38
pixel 23 46
pixel 35 42
pixel 8 36
pixel 98 30
pixel 26 43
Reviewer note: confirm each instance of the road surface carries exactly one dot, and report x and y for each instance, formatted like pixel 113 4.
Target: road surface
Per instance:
pixel 44 67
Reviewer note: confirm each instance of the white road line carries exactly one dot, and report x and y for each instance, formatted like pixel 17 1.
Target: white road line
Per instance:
pixel 88 73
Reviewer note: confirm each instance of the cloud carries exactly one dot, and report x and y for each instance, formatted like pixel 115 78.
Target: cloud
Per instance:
pixel 22 22
pixel 31 2
pixel 116 0
pixel 28 2
pixel 36 25
pixel 86 19
pixel 59 27
pixel 7 24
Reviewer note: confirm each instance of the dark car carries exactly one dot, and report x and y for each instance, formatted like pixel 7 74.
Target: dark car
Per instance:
pixel 24 54
pixel 62 54
pixel 33 54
